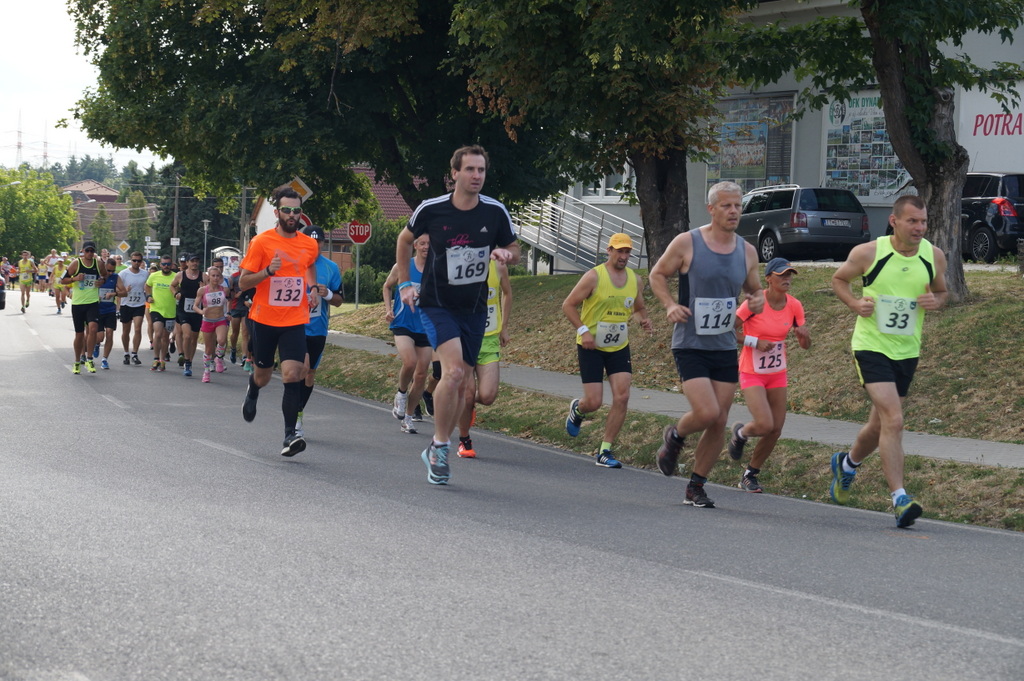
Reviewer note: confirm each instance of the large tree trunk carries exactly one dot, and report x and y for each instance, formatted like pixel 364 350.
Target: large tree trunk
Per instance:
pixel 664 202
pixel 938 175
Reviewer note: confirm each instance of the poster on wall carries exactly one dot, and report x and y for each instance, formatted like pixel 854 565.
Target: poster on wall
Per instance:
pixel 858 154
pixel 755 142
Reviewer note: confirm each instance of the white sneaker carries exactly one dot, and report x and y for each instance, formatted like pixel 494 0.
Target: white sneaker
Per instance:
pixel 408 426
pixel 400 401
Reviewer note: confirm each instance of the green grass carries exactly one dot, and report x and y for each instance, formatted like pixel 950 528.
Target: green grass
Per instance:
pixel 969 384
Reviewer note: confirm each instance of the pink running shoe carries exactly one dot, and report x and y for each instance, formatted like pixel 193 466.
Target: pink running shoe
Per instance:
pixel 206 376
pixel 218 362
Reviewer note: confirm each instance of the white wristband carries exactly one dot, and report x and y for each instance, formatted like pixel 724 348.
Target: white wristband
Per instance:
pixel 582 330
pixel 750 341
pixel 330 294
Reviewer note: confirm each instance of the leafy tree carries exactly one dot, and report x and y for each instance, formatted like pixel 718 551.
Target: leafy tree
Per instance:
pixel 254 93
pixel 101 231
pixel 138 222
pixel 34 215
pixel 625 81
pixel 912 50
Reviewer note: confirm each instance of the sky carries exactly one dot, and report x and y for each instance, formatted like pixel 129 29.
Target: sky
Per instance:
pixel 42 75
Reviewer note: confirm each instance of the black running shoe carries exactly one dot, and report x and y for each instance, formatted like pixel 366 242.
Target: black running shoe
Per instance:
pixel 428 400
pixel 293 444
pixel 418 414
pixel 749 483
pixel 736 443
pixel 695 496
pixel 668 453
pixel 249 407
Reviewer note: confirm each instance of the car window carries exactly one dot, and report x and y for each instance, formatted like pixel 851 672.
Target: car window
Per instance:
pixel 781 199
pixel 829 200
pixel 1013 186
pixel 756 203
pixel 979 185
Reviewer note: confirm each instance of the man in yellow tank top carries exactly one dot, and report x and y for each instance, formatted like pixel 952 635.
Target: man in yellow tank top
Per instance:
pixel 610 295
pixel 903 275
pixel 487 371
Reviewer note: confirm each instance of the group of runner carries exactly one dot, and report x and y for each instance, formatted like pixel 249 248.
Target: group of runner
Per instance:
pixel 441 295
pixel 448 301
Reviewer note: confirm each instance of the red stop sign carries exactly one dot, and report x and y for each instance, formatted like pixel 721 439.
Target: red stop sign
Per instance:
pixel 359 232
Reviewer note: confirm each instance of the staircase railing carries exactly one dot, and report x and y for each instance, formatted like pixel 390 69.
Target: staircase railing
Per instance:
pixel 573 231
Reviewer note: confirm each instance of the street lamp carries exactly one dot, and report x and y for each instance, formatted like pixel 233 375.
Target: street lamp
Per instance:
pixel 206 229
pixel 11 184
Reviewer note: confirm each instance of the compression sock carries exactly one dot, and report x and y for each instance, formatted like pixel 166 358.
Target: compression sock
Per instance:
pixel 291 405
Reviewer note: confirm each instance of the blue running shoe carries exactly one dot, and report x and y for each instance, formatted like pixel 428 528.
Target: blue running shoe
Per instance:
pixel 606 460
pixel 436 460
pixel 907 511
pixel 839 490
pixel 574 420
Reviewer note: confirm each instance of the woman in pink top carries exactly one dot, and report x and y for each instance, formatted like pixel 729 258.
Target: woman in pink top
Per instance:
pixel 763 377
pixel 211 302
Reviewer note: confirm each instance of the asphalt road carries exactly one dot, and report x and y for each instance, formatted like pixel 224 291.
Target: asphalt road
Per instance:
pixel 148 532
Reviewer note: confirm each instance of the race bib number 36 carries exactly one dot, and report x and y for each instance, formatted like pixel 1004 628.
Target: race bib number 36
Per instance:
pixel 467 265
pixel 286 291
pixel 896 316
pixel 713 316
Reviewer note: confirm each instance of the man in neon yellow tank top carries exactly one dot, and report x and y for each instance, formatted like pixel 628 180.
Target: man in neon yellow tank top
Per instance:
pixel 903 275
pixel 610 295
pixel 487 371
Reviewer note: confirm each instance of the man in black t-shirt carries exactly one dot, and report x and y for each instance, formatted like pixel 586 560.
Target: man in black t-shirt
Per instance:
pixel 466 230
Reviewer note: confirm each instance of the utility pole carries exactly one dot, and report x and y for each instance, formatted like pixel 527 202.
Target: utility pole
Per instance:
pixel 243 225
pixel 174 241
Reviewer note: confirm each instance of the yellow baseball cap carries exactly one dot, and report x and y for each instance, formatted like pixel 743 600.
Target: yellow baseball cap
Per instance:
pixel 620 240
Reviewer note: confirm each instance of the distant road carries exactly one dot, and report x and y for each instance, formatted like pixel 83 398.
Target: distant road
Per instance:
pixel 149 533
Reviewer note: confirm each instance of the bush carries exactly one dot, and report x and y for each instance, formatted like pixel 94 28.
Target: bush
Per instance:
pixel 370 284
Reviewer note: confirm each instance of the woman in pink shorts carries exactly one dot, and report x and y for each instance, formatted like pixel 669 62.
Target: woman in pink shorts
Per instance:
pixel 763 367
pixel 211 302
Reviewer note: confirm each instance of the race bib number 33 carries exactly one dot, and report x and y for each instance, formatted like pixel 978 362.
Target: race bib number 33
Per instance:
pixel 896 316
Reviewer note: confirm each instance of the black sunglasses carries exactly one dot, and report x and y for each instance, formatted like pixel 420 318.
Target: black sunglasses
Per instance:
pixel 289 211
pixel 165 264
pixel 134 260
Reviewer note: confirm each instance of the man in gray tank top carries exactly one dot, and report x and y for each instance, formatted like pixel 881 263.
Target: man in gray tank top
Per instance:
pixel 714 266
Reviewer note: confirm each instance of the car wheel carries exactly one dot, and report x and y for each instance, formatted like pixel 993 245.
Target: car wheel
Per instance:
pixel 768 247
pixel 982 245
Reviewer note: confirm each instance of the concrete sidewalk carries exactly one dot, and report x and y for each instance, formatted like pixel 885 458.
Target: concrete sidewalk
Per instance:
pixel 798 427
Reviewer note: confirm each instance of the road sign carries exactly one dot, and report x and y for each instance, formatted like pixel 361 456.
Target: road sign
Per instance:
pixel 359 232
pixel 301 188
pixel 150 245
pixel 123 246
pixel 175 241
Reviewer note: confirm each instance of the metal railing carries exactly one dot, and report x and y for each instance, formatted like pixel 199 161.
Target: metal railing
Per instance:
pixel 573 231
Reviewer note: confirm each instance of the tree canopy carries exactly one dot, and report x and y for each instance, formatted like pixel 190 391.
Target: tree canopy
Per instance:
pixel 34 215
pixel 626 81
pixel 254 93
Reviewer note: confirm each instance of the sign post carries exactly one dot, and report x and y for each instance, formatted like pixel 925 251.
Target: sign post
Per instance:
pixel 359 234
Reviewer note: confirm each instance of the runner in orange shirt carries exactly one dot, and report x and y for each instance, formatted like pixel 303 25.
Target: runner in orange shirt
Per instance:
pixel 281 265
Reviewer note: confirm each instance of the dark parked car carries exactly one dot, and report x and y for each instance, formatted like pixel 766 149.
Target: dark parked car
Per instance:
pixel 789 219
pixel 991 214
